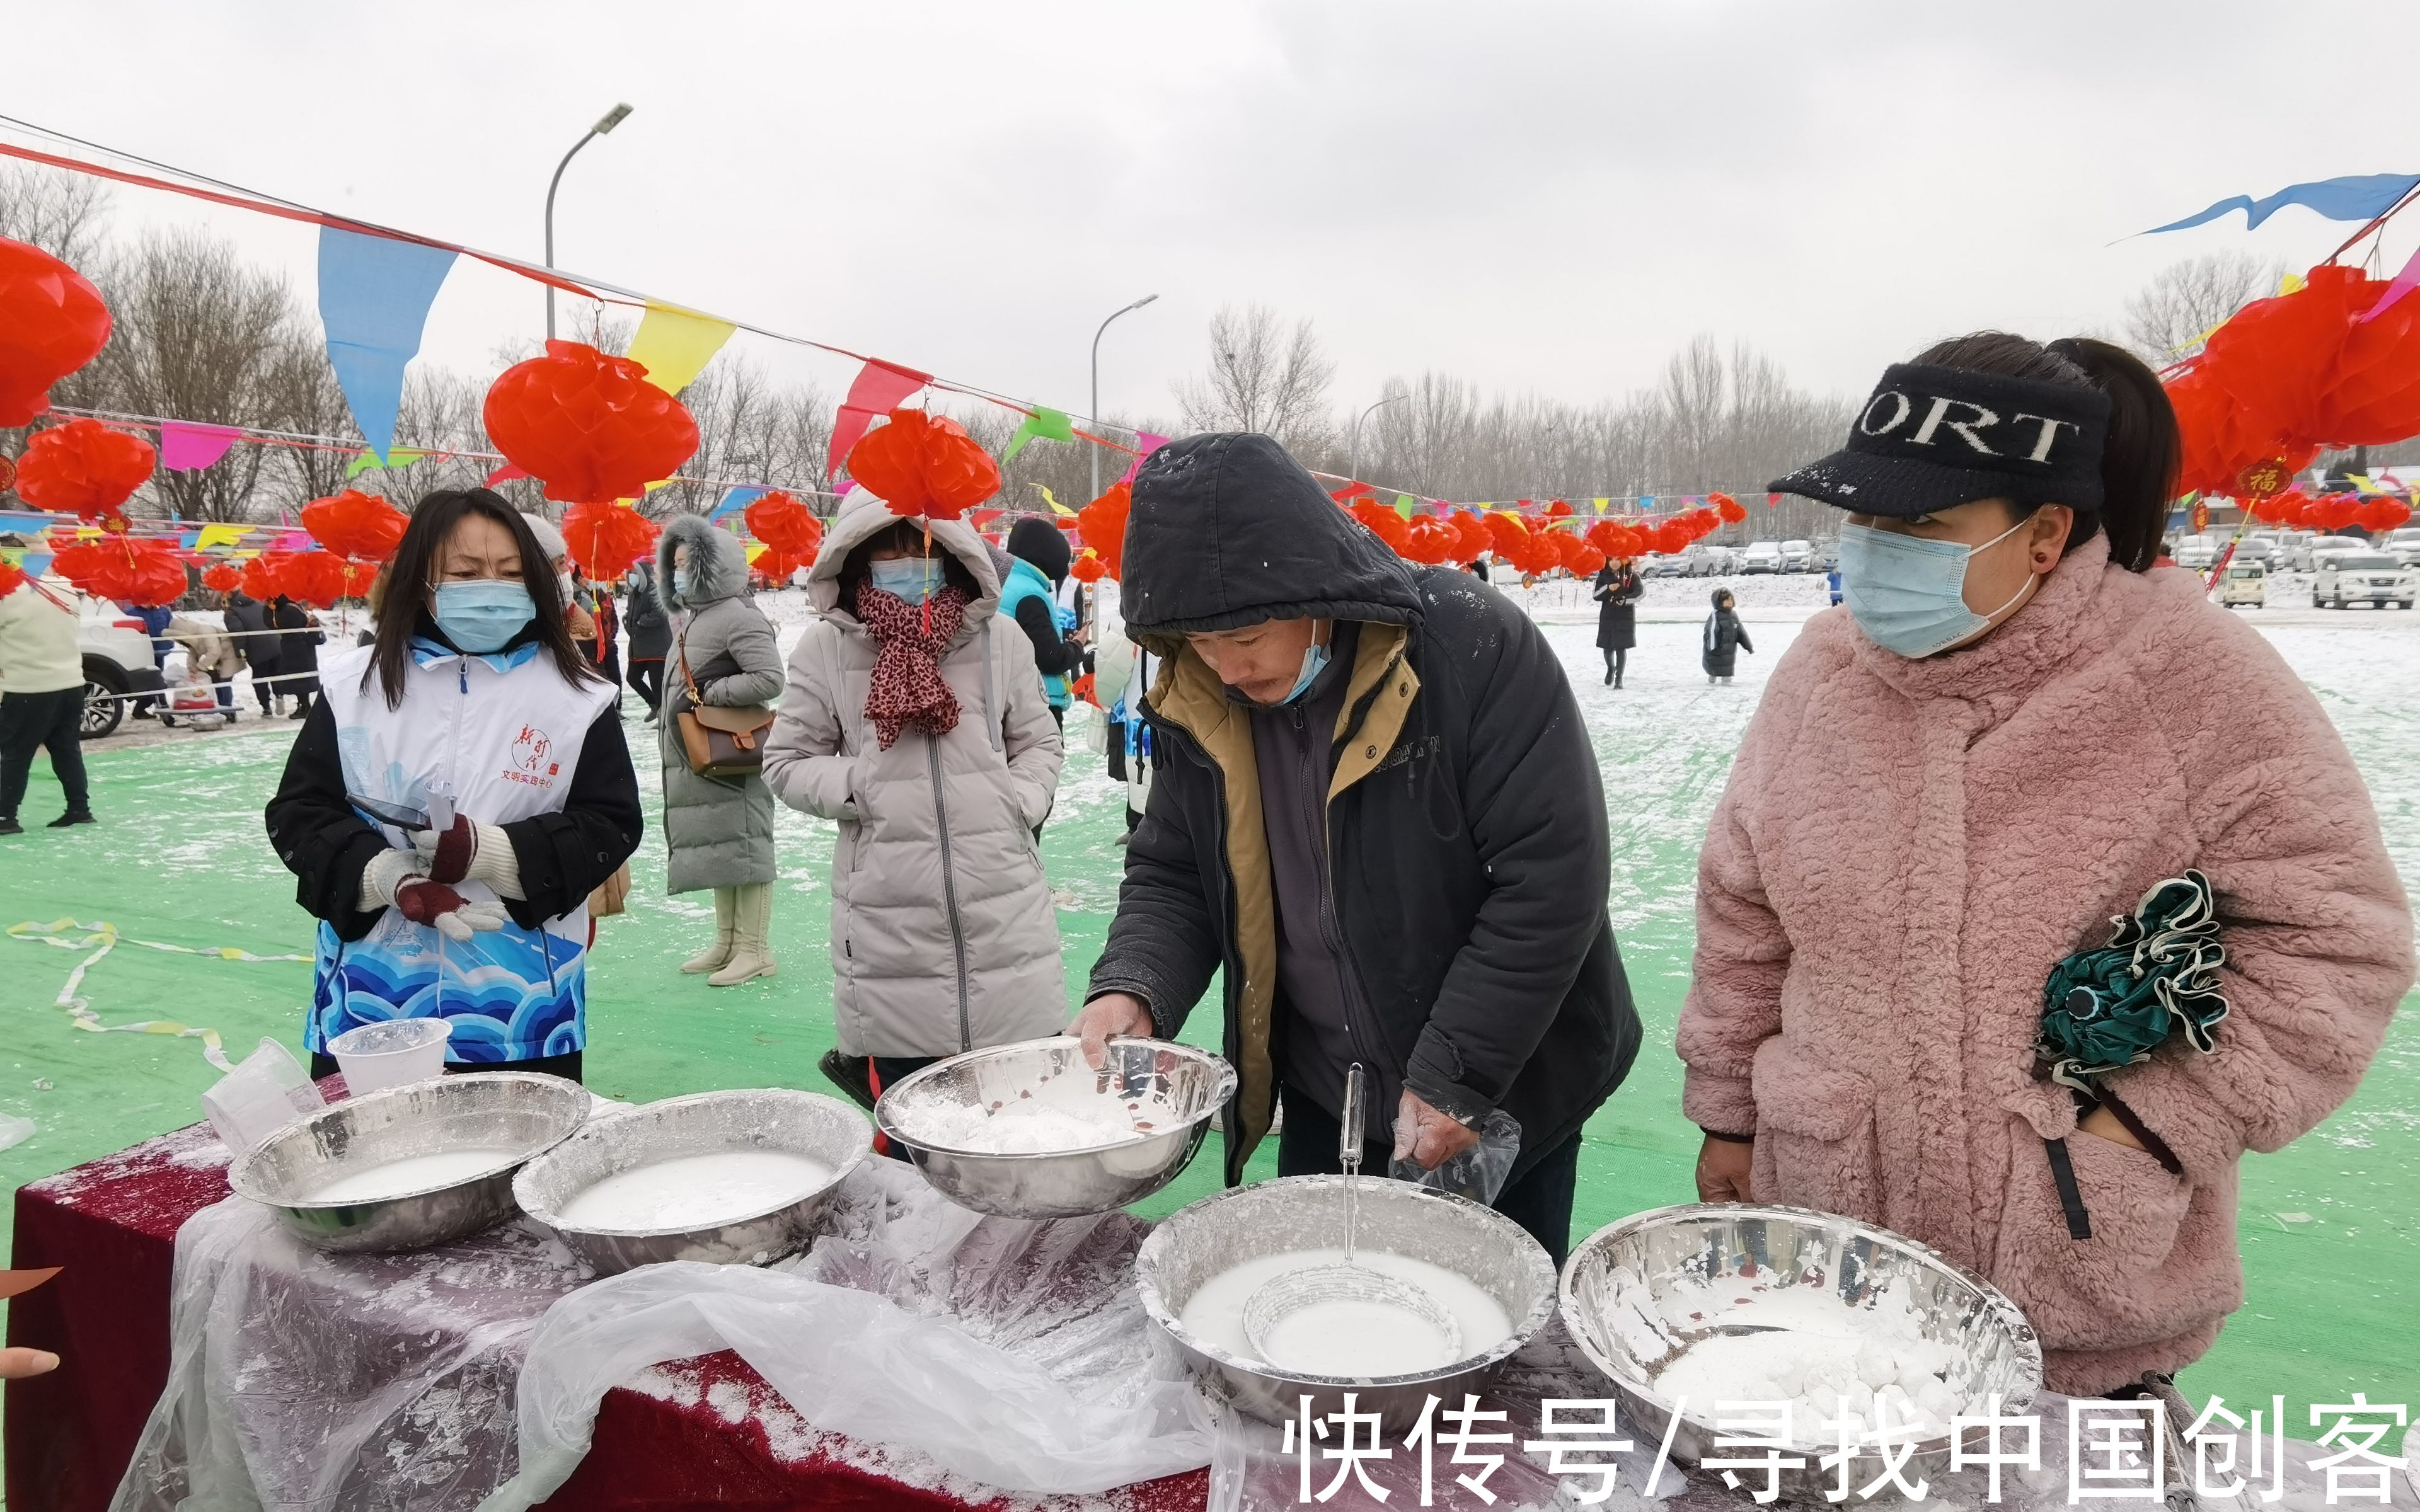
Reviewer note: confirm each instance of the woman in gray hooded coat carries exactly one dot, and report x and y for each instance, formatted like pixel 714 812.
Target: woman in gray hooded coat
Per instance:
pixel 915 718
pixel 718 831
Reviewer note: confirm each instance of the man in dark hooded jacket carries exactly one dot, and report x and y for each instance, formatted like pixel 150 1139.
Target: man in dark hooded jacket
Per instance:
pixel 1377 809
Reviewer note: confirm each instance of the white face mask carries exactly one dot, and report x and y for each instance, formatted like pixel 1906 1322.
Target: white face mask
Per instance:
pixel 562 586
pixel 1909 594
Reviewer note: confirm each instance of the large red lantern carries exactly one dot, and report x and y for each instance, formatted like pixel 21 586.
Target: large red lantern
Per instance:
pixel 84 467
pixel 923 464
pixel 1088 568
pixel 355 524
pixel 590 427
pixel 13 578
pixel 1471 536
pixel 1383 523
pixel 603 538
pixel 134 574
pixel 314 577
pixel 223 577
pixel 1103 525
pixel 52 322
pixel 787 525
pixel 1729 510
pixel 263 573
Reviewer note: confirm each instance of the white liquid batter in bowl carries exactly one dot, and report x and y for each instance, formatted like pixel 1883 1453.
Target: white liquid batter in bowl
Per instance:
pixel 695 1191
pixel 1348 1338
pixel 414 1173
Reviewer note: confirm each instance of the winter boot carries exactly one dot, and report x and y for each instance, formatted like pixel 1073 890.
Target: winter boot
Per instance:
pixel 749 956
pixel 717 955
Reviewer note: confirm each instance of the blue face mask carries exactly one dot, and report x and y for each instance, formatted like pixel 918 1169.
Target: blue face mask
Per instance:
pixel 481 615
pixel 912 579
pixel 1909 594
pixel 1315 658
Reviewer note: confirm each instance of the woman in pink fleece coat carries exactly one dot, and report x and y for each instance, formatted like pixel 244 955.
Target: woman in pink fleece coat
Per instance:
pixel 1913 838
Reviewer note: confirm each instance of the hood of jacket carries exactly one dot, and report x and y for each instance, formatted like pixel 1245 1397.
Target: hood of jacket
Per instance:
pixel 1036 540
pixel 862 517
pixel 1227 530
pixel 717 564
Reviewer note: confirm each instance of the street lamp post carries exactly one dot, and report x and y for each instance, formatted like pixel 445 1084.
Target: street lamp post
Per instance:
pixel 1396 398
pixel 1097 382
pixel 604 124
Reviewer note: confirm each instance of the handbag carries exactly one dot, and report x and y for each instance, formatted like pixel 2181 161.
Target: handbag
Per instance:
pixel 611 895
pixel 718 741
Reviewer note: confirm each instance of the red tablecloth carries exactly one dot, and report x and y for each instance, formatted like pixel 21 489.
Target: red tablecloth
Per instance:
pixel 707 1431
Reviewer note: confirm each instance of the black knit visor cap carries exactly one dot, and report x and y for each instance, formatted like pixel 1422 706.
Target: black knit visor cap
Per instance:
pixel 1932 437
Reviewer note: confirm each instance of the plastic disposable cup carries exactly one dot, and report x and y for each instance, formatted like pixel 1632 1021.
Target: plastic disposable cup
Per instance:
pixel 391 1053
pixel 262 1095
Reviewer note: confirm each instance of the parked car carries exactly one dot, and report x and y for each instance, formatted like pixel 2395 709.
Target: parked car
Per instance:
pixel 116 654
pixel 2306 557
pixel 2252 548
pixel 1659 565
pixel 1827 554
pixel 2403 545
pixel 2196 551
pixel 1722 560
pixel 2246 583
pixel 1798 556
pixel 2371 577
pixel 1761 556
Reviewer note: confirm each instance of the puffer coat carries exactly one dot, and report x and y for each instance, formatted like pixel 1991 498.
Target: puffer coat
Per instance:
pixel 943 935
pixel 1906 849
pixel 718 830
pixel 1722 638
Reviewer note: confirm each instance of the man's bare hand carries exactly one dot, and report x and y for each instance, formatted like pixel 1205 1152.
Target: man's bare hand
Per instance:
pixel 1723 1170
pixel 1428 1136
pixel 16 1365
pixel 1106 1016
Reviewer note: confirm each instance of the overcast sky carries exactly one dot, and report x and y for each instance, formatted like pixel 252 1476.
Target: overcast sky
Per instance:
pixel 1535 197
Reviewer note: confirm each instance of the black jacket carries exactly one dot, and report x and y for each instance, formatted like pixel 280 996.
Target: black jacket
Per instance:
pixel 1721 640
pixel 298 649
pixel 1618 593
pixel 249 618
pixel 651 631
pixel 563 856
pixel 1468 852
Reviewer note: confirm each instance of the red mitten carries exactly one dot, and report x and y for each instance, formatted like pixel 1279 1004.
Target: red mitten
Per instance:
pixel 455 849
pixel 422 901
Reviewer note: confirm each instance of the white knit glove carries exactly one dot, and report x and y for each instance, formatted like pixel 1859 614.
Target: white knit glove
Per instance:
pixel 471 852
pixel 439 907
pixel 387 871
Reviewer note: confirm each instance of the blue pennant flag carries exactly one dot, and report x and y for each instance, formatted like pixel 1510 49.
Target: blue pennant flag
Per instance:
pixel 2358 197
pixel 374 298
pixel 737 499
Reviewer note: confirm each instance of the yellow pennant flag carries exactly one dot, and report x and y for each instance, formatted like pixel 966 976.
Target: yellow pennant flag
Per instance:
pixel 675 344
pixel 2292 283
pixel 1055 505
pixel 1600 505
pixel 755 550
pixel 219 536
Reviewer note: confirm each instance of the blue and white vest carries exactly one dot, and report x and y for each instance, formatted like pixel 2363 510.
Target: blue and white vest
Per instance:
pixel 505 732
pixel 1026 580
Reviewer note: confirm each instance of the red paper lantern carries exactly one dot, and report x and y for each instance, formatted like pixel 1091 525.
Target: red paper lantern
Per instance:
pixel 1559 509
pixel 2335 511
pixel 1089 568
pixel 314 577
pixel 1589 561
pixel 355 524
pixel 1103 525
pixel 84 467
pixel 590 427
pixel 262 575
pixel 1506 535
pixel 1382 522
pixel 223 577
pixel 359 578
pixel 1471 537
pixel 1731 511
pixel 603 538
pixel 52 322
pixel 13 578
pixel 789 527
pixel 923 464
pixel 134 574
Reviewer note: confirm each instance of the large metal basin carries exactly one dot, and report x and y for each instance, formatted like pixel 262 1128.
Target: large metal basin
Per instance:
pixel 1192 1083
pixel 1633 1299
pixel 1299 1212
pixel 802 1123
pixel 517 1110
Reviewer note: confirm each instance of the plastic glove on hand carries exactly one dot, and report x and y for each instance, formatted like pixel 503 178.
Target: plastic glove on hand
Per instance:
pixel 446 911
pixel 1427 1137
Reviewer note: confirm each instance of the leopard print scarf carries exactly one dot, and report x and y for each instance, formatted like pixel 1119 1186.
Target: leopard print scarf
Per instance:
pixel 908 686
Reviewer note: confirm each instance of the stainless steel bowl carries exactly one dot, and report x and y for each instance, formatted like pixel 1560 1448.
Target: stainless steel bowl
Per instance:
pixel 802 1123
pixel 517 1110
pixel 1194 1084
pixel 1299 1213
pixel 1633 1298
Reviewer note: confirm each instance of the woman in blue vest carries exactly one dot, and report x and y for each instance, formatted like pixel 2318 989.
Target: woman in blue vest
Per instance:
pixel 1027 595
pixel 454 797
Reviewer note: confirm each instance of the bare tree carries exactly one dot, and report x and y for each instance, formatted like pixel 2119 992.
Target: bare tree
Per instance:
pixel 2168 318
pixel 65 214
pixel 1262 377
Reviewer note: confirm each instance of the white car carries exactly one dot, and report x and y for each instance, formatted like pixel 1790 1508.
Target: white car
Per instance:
pixel 1798 556
pixel 2374 578
pixel 2198 551
pixel 1761 556
pixel 2403 545
pixel 2308 555
pixel 117 661
pixel 2244 583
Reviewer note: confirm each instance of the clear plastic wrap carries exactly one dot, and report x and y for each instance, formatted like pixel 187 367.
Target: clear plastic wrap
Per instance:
pixel 1478 1172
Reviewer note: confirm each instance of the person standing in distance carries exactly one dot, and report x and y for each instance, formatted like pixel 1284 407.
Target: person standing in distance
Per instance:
pixel 1376 807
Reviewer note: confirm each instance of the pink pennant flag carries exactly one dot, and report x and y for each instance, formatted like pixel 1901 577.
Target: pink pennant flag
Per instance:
pixel 293 541
pixel 878 390
pixel 505 474
pixel 1145 443
pixel 186 447
pixel 2405 281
